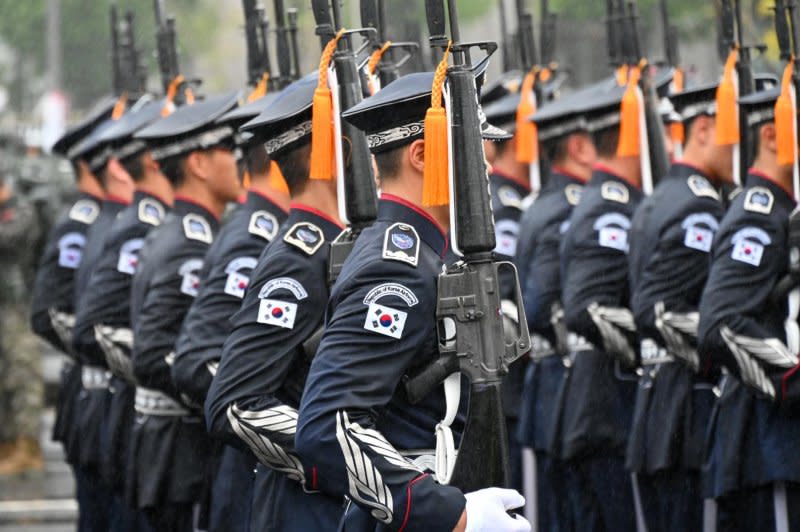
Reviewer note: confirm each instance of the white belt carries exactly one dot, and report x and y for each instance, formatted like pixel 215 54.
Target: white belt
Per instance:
pixel 95 378
pixel 652 353
pixel 156 403
pixel 540 347
pixel 576 342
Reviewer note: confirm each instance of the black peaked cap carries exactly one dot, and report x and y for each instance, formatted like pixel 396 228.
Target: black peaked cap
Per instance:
pixel 79 131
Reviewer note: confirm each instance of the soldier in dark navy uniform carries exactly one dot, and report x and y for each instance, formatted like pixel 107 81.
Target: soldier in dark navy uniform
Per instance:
pixel 595 399
pixel 570 151
pixel 169 445
pixel 255 394
pixel 93 395
pixel 752 467
pixel 53 300
pixel 102 333
pixel 357 433
pixel 226 275
pixel 670 244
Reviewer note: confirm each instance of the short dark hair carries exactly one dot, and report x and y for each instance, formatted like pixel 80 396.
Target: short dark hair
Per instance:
pixel 388 162
pixel 606 141
pixel 256 160
pixel 134 166
pixel 174 168
pixel 555 149
pixel 295 167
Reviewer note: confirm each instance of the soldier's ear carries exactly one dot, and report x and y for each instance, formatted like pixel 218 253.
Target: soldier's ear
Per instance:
pixel 415 155
pixel 198 164
pixel 768 138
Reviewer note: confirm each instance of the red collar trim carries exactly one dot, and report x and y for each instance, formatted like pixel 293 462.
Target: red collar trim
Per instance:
pixel 690 165
pixel 303 207
pixel 762 175
pixel 561 171
pixel 116 199
pixel 156 196
pixel 266 197
pixel 95 196
pixel 603 168
pixel 187 199
pixel 417 209
pixel 510 177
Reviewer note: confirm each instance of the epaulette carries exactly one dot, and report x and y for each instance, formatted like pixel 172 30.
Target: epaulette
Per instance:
pixel 759 199
pixel 306 237
pixel 614 191
pixel 573 194
pixel 84 211
pixel 509 197
pixel 195 227
pixel 151 212
pixel 401 243
pixel 263 224
pixel 700 187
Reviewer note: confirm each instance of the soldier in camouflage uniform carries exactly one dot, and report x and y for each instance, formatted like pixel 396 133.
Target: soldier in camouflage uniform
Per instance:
pixel 21 383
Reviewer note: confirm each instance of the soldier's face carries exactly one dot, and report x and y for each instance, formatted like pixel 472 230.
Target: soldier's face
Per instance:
pixel 225 181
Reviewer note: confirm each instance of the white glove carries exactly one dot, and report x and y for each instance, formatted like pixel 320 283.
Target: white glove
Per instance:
pixel 486 511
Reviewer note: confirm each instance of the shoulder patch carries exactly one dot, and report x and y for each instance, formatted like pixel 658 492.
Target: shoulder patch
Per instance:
pixel 305 236
pixel 151 212
pixel 195 227
pixel 748 245
pixel 263 224
pixel 129 256
pixel 279 312
pixel 573 194
pixel 391 289
pixel 401 243
pixel 614 191
pixel 238 271
pixel 84 211
pixel 190 276
pixel 506 236
pixel 70 250
pixel 612 231
pixel 700 187
pixel 700 228
pixel 759 199
pixel 509 197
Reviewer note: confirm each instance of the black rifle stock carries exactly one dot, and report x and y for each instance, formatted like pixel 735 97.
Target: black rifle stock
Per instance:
pixel 134 72
pixel 282 48
pixel 116 70
pixel 257 58
pixel 360 201
pixel 469 291
pixel 297 71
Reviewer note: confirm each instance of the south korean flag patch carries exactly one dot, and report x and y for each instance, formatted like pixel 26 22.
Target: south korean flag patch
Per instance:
pixel 278 313
pixel 748 245
pixel 385 320
pixel 190 276
pixel 70 250
pixel 238 280
pixel 129 256
pixel 612 229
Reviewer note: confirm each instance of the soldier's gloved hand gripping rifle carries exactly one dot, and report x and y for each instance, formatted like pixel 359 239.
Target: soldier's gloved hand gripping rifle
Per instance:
pixel 468 312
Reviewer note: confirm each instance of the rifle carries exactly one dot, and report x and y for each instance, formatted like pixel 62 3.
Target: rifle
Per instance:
pixel 282 45
pixel 657 153
pixel 548 34
pixel 671 51
pixel 468 291
pixel 358 204
pixel 258 63
pixel 527 42
pixel 136 70
pixel 373 15
pixel 296 70
pixel 116 70
pixel 504 36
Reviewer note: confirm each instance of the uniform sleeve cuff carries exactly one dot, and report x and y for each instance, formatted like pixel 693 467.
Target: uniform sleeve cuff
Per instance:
pixel 428 505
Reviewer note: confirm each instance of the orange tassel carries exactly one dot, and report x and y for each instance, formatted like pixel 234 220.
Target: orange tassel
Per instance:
pixel 621 75
pixel 120 106
pixel 172 92
pixel 246 180
pixel 785 120
pixel 260 89
pixel 276 179
pixel 727 110
pixel 372 64
pixel 322 134
pixel 678 80
pixel 629 134
pixel 436 184
pixel 677 133
pixel 527 140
